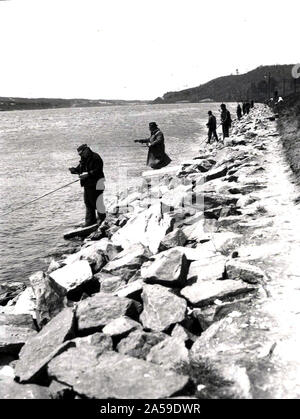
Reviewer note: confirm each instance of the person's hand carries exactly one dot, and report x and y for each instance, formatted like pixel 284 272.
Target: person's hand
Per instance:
pixel 72 170
pixel 84 176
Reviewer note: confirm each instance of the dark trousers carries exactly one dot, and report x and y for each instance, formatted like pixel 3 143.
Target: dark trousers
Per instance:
pixel 90 197
pixel 225 129
pixel 212 133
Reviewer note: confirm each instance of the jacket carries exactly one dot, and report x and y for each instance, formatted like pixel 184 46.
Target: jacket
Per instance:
pixel 226 118
pixel 93 165
pixel 157 158
pixel 212 123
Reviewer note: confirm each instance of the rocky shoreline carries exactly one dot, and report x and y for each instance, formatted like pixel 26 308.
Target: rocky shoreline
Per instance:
pixel 178 294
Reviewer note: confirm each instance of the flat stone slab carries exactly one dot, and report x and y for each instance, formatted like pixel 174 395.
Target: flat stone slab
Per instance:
pixel 10 390
pixel 121 326
pixel 41 348
pixel 81 232
pixel 243 271
pixel 203 293
pixel 114 376
pixel 207 269
pixel 15 331
pixel 161 172
pixel 72 276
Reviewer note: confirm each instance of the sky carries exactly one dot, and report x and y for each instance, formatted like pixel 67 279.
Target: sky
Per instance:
pixel 138 49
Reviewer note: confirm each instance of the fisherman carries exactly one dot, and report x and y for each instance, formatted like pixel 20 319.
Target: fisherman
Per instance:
pixel 248 107
pixel 157 157
pixel 90 171
pixel 239 112
pixel 225 120
pixel 252 103
pixel 212 127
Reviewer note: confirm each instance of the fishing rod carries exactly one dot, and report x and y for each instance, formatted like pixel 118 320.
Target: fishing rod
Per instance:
pixel 40 197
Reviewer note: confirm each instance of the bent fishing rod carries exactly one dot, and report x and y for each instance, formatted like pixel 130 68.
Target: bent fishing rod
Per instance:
pixel 40 197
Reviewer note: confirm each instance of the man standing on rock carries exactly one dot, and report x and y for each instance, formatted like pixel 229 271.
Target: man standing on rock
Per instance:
pixel 90 171
pixel 212 127
pixel 225 120
pixel 157 157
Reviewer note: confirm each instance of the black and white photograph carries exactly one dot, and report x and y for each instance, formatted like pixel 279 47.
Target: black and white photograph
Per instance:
pixel 149 204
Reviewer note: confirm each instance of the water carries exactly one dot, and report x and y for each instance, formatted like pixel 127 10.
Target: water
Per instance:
pixel 37 147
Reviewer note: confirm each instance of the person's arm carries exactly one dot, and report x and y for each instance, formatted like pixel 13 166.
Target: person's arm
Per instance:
pixel 75 170
pixel 144 141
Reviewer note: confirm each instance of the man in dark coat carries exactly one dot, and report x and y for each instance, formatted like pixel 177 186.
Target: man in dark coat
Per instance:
pixel 157 157
pixel 225 120
pixel 90 171
pixel 212 127
pixel 239 112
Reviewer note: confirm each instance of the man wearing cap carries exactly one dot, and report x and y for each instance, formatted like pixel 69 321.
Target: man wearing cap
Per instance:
pixel 90 171
pixel 212 127
pixel 157 157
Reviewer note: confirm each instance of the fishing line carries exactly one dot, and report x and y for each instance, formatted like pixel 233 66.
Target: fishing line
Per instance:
pixel 40 197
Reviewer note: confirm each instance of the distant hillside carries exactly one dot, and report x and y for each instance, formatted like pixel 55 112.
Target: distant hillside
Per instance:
pixel 16 103
pixel 258 84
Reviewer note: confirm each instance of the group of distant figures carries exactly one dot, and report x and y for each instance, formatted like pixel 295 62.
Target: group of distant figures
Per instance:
pixel 90 167
pixel 226 120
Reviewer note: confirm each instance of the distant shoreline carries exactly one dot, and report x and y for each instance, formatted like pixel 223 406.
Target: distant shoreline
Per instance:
pixel 19 104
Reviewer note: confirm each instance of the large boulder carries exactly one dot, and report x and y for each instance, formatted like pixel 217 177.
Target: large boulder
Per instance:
pixel 203 293
pixel 148 227
pixel 49 297
pixel 10 290
pixel 114 376
pixel 96 312
pixel 243 271
pixel 171 353
pixel 72 277
pixel 15 331
pixel 159 313
pixel 139 343
pixel 126 263
pixel 41 348
pixel 169 268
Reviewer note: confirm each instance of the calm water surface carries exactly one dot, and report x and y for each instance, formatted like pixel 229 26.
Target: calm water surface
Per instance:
pixel 37 147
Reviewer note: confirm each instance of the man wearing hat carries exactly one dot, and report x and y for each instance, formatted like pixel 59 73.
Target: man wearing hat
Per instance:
pixel 157 157
pixel 90 171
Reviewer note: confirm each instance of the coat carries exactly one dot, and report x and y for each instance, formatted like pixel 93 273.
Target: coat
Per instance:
pixel 93 164
pixel 157 158
pixel 212 123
